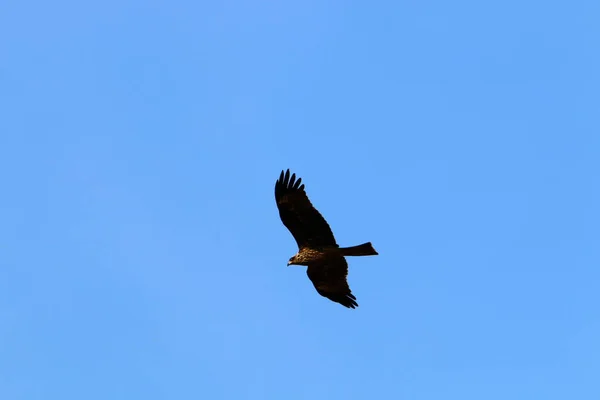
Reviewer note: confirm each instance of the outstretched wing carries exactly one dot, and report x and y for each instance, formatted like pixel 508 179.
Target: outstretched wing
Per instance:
pixel 330 281
pixel 304 222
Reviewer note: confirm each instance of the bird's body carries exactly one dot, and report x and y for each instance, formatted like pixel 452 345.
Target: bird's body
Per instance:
pixel 317 247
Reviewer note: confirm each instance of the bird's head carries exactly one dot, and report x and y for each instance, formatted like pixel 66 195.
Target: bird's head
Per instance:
pixel 294 260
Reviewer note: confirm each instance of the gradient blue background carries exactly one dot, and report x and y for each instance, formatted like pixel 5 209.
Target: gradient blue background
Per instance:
pixel 141 253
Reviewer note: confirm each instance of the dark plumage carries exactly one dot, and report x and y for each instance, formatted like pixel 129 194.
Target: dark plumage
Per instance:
pixel 317 248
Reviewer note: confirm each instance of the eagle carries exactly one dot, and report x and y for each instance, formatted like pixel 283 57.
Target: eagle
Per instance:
pixel 317 248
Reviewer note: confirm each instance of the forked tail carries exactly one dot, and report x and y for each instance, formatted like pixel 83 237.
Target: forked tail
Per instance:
pixel 365 249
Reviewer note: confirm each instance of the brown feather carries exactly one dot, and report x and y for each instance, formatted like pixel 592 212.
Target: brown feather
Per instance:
pixel 329 279
pixel 297 213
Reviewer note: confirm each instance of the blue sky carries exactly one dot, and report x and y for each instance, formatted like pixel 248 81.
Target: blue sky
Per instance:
pixel 142 254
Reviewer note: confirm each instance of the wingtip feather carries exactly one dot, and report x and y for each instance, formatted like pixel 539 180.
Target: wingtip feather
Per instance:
pixel 289 180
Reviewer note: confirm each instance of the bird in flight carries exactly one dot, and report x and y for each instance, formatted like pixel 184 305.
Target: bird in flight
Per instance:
pixel 317 248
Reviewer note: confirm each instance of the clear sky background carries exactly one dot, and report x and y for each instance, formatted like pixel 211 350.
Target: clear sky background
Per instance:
pixel 142 256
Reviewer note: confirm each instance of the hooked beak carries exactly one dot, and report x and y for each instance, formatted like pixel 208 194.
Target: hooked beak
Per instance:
pixel 289 263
